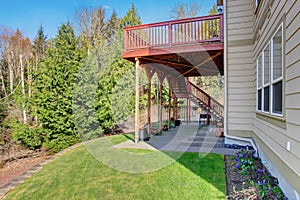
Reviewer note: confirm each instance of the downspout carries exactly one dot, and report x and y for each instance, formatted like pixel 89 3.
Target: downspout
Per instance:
pixel 249 140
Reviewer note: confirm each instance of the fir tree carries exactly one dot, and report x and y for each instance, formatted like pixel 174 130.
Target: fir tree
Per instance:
pixel 39 43
pixel 55 81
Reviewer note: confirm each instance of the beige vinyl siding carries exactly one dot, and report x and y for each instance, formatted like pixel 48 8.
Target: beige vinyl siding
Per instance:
pixel 248 33
pixel 292 70
pixel 240 72
pixel 270 136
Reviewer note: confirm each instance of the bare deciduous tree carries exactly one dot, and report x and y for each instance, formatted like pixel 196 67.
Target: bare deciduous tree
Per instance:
pixel 185 10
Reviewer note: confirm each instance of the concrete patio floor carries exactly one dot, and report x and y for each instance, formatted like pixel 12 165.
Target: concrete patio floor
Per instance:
pixel 185 138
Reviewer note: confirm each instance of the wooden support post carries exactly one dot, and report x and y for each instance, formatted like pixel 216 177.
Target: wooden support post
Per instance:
pixel 149 107
pixel 161 76
pixel 187 111
pixel 169 107
pixel 174 107
pixel 189 116
pixel 160 104
pixel 137 100
pixel 176 110
pixel 149 72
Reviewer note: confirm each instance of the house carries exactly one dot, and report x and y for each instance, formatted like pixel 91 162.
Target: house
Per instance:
pixel 255 45
pixel 262 90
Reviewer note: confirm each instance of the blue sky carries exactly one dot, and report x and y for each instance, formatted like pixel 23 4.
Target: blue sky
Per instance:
pixel 28 15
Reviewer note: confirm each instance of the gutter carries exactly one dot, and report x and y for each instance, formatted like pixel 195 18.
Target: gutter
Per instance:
pixel 249 140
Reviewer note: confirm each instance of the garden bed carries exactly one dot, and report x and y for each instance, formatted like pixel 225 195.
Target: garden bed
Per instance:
pixel 247 178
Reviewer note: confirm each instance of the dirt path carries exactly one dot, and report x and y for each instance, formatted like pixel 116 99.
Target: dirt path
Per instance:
pixel 16 168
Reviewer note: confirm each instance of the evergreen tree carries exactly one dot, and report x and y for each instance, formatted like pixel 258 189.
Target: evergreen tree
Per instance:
pixel 113 70
pixel 55 81
pixel 213 10
pixel 131 18
pixel 39 43
pixel 86 121
pixel 111 26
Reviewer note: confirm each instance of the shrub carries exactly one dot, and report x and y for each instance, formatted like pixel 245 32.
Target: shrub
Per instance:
pixel 31 137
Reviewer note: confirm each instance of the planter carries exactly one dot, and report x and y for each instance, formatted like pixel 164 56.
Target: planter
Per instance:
pixel 219 133
pixel 177 122
pixel 143 135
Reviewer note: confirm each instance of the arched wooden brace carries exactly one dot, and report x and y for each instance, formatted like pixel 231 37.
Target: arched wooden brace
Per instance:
pixel 150 71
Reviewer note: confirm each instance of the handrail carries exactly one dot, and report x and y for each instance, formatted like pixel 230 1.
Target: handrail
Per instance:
pixel 206 99
pixel 175 32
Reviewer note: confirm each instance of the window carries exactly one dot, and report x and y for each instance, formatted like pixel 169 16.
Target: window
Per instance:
pixel 259 83
pixel 269 67
pixel 266 78
pixel 277 63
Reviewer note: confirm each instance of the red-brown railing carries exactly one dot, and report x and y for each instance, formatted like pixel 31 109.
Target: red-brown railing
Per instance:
pixel 176 32
pixel 204 98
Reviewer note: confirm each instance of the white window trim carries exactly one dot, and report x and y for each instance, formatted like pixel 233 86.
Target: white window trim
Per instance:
pixel 263 80
pixel 256 2
pixel 261 85
pixel 271 82
pixel 272 69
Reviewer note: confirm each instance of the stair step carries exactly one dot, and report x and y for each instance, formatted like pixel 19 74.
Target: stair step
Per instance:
pixel 206 139
pixel 202 144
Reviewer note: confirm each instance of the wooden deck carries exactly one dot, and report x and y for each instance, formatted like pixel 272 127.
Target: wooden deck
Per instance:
pixel 192 47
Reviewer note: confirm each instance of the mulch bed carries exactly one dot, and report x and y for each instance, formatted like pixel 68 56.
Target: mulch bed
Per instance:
pixel 250 181
pixel 238 186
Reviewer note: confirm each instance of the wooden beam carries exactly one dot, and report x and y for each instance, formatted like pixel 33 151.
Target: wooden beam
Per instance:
pixel 129 55
pixel 168 63
pixel 202 63
pixel 137 100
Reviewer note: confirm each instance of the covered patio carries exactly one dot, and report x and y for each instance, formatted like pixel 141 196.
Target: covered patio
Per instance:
pixel 175 51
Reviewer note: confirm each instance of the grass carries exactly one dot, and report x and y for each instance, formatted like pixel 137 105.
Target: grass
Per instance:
pixel 78 175
pixel 116 139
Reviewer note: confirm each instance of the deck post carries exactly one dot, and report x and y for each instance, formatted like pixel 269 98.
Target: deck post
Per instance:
pixel 161 76
pixel 169 107
pixel 187 110
pixel 149 72
pixel 160 104
pixel 149 107
pixel 137 100
pixel 174 106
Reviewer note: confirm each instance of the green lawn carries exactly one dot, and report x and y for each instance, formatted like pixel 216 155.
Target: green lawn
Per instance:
pixel 78 175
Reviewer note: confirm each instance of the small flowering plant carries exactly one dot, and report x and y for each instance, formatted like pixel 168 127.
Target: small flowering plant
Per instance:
pixel 244 161
pixel 266 184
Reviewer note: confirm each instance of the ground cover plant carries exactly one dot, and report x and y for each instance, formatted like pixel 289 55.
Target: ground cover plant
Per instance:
pixel 248 178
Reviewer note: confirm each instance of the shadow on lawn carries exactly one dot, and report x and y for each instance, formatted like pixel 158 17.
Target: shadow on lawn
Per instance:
pixel 209 167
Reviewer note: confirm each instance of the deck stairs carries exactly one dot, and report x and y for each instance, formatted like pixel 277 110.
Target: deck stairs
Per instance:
pixel 183 88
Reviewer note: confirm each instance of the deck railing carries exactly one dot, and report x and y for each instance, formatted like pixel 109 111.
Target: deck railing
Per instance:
pixel 176 32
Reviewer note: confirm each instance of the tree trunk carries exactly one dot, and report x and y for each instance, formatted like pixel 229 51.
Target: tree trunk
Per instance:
pixel 11 75
pixel 29 81
pixel 3 84
pixel 23 87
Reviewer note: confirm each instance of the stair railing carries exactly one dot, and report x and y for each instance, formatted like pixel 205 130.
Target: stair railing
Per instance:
pixel 205 99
